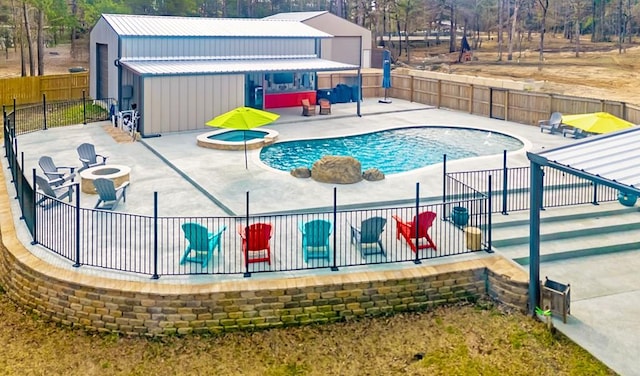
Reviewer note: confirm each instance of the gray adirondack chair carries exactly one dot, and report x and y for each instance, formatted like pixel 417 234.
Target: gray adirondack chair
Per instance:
pixel 54 173
pixel 367 237
pixel 54 194
pixel 553 125
pixel 88 156
pixel 109 195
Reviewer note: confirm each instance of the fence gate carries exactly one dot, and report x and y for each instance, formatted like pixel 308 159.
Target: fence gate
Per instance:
pixel 497 103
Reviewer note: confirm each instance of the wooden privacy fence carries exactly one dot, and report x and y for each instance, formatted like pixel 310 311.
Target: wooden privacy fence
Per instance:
pixel 56 87
pixel 479 96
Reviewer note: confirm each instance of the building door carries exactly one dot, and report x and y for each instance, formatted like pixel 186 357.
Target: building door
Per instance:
pixel 102 78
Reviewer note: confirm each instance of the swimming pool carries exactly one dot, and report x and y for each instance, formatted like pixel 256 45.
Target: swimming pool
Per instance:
pixel 392 151
pixel 237 136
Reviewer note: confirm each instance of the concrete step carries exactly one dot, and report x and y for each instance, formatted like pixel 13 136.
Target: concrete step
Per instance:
pixel 569 232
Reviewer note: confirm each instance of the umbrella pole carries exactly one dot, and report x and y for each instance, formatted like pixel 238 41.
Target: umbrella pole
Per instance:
pixel 246 166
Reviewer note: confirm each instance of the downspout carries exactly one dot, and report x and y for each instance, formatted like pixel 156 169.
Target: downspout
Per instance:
pixel 535 197
pixel 119 92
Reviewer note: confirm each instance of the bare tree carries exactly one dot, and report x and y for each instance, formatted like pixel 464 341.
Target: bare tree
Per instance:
pixel 512 33
pixel 500 28
pixel 544 4
pixel 27 31
pixel 40 41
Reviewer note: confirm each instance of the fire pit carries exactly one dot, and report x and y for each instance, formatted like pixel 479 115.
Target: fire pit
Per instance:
pixel 116 173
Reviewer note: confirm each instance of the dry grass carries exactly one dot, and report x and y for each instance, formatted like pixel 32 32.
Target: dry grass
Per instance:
pixel 458 340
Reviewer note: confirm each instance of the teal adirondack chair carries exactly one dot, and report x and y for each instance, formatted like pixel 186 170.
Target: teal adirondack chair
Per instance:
pixel 315 239
pixel 202 243
pixel 367 237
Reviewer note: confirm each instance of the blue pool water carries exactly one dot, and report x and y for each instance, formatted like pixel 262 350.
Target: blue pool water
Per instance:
pixel 392 151
pixel 237 136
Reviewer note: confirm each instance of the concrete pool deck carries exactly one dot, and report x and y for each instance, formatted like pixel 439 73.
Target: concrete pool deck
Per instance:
pixel 222 175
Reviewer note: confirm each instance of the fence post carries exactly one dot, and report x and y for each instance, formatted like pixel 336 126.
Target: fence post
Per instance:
pixel 417 259
pixel 33 199
pixel 505 184
pixel 77 187
pixel 489 220
pixel 155 236
pixel 444 178
pixel 246 235
pixel 84 108
pixel 334 268
pixel 44 109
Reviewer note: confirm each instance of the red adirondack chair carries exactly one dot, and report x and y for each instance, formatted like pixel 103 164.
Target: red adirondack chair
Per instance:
pixel 408 230
pixel 258 248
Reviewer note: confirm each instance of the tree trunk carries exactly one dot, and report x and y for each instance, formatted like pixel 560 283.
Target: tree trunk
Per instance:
pixel 513 30
pixel 452 29
pixel 40 38
pixel 545 6
pixel 500 26
pixel 74 30
pixel 27 29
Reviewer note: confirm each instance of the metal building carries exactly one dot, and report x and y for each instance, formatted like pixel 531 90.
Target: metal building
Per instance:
pixel 348 38
pixel 183 71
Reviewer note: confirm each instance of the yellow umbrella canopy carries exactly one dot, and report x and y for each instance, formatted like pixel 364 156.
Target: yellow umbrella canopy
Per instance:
pixel 243 119
pixel 597 122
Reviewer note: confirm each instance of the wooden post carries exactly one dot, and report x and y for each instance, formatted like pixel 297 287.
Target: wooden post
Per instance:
pixel 506 105
pixel 411 88
pixel 439 98
pixel 471 99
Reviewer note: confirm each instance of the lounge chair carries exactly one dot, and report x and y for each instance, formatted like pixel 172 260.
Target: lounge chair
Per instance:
pixel 54 193
pixel 553 125
pixel 367 237
pixel 325 106
pixel 54 173
pixel 574 132
pixel 315 239
pixel 408 230
pixel 256 241
pixel 88 156
pixel 202 243
pixel 308 109
pixel 109 195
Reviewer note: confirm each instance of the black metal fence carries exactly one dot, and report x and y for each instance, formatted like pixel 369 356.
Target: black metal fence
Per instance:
pixel 511 186
pixel 155 245
pixel 34 117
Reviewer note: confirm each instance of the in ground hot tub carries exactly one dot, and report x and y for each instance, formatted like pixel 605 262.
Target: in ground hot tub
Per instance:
pixel 233 139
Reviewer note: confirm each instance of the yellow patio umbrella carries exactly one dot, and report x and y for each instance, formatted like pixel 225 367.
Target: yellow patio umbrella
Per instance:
pixel 244 119
pixel 596 122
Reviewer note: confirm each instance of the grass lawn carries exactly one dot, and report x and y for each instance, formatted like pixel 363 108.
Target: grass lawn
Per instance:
pixel 464 339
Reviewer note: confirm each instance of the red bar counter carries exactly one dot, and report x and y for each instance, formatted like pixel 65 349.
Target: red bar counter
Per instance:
pixel 292 99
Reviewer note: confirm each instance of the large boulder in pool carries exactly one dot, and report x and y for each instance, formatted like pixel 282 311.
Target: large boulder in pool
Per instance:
pixel 337 170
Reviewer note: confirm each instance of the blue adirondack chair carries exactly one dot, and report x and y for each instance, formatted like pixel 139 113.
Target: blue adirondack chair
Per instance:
pixel 315 239
pixel 54 173
pixel 109 195
pixel 55 193
pixel 368 237
pixel 88 156
pixel 202 243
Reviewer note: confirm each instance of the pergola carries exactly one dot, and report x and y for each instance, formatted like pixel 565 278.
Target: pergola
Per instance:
pixel 611 160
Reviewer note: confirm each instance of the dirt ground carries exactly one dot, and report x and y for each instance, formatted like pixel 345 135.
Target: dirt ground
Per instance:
pixel 600 71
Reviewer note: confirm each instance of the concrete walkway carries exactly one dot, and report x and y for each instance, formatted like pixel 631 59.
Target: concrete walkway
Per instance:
pixel 605 323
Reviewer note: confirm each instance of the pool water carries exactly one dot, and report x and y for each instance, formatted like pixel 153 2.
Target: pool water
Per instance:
pixel 392 151
pixel 237 136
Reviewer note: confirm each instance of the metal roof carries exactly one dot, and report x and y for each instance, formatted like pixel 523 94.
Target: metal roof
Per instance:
pixel 233 65
pixel 164 26
pixel 612 159
pixel 295 16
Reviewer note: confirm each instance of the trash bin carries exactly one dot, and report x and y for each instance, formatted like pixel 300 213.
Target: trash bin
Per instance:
pixel 473 237
pixel 556 297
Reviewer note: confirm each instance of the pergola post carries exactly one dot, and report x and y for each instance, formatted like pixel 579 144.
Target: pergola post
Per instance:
pixel 535 197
